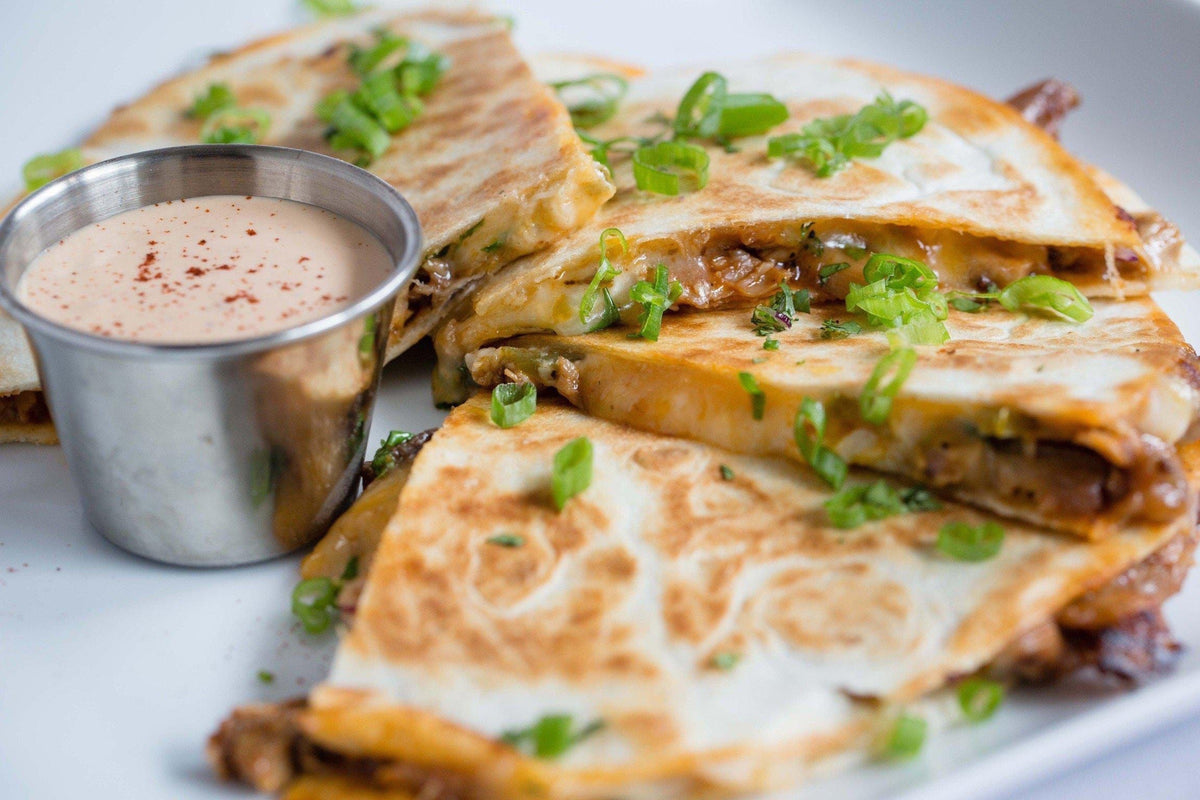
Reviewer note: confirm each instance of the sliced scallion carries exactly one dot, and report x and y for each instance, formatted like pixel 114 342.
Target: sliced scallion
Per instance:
pixel 572 471
pixel 41 169
pixel 875 400
pixel 758 398
pixel 659 167
pixel 966 542
pixel 513 403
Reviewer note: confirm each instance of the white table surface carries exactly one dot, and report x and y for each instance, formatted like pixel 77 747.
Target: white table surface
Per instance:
pixel 64 64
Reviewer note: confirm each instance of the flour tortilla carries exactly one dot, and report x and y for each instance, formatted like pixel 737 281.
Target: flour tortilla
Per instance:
pixel 493 159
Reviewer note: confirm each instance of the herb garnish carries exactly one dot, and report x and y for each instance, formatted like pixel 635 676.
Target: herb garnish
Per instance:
pixel 572 471
pixel 550 736
pixel 779 315
pixel 827 271
pixel 906 737
pixel 726 660
pixel 808 429
pixel 388 98
pixel 265 676
pixel 604 273
pixel 655 298
pixel 1043 294
pixel 216 97
pixel 770 343
pixel 506 540
pixel 875 401
pixel 758 398
pixel 833 329
pixel 331 8
pixel 41 169
pixel 513 403
pixel 385 457
pixel 827 144
pixel 726 472
pixel 314 600
pixel 592 99
pixel 970 543
pixel 979 698
pixel 224 121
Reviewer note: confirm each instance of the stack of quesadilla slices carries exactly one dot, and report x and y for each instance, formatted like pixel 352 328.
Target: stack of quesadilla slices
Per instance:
pixel 723 600
pixel 492 165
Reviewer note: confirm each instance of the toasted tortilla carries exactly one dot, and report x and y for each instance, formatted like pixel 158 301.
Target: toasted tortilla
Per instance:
pixel 980 194
pixel 1074 427
pixel 493 158
pixel 616 608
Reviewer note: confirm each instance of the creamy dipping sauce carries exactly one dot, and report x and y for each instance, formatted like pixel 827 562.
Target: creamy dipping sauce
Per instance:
pixel 205 269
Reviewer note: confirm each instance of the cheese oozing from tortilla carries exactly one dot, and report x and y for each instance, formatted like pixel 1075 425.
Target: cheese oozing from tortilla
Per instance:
pixel 204 270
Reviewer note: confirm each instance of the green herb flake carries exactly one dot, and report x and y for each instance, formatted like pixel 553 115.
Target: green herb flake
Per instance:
pixel 758 398
pixel 834 329
pixel 906 737
pixel 965 542
pixel 506 540
pixel 265 677
pixel 513 403
pixel 770 343
pixel 979 698
pixel 551 736
pixel 828 144
pixel 572 471
pixel 827 271
pixel 726 473
pixel 726 660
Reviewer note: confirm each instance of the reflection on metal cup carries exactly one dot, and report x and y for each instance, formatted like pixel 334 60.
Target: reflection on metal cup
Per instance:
pixel 213 454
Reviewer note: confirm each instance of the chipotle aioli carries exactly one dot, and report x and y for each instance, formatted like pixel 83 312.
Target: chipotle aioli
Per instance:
pixel 204 270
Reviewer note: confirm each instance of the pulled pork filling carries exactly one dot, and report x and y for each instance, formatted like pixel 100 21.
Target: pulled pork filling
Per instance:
pixel 726 268
pixel 1059 479
pixel 24 408
pixel 1115 632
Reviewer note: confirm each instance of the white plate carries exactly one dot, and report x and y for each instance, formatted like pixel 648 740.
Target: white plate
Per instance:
pixel 113 669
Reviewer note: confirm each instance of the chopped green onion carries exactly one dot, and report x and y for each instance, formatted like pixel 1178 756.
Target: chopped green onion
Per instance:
pixel 419 74
pixel 875 401
pixel 236 126
pixel 216 97
pixel 726 472
pixel 601 94
pixel 1048 295
pixel 572 471
pixel 351 128
pixel 828 144
pixel 351 570
pixel 378 96
pixel 513 403
pixel 770 343
pixel 313 602
pixel 495 246
pixel 827 271
pixel 365 60
pixel 906 737
pixel 266 677
pixel 758 399
pixel 41 169
pixel 506 540
pixel 966 543
pixel 852 506
pixel 833 329
pixel 726 660
pixel 658 167
pixel 366 342
pixel 979 698
pixel 779 315
pixel 749 115
pixel 918 498
pixel 331 8
pixel 604 273
pixel 551 736
pixel 655 299
pixel 968 304
pixel 808 429
pixel 899 272
pixel 699 112
pixel 385 458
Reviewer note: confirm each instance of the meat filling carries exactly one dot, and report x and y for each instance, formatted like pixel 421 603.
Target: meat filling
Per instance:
pixel 1057 480
pixel 24 408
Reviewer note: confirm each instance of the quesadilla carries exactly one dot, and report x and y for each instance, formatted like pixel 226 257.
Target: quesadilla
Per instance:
pixel 979 193
pixel 491 165
pixel 688 624
pixel 1074 427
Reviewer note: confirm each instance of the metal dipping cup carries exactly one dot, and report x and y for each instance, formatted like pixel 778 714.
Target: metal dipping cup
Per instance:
pixel 213 454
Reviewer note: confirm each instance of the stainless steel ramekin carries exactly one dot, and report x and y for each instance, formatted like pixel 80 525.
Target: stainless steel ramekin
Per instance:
pixel 213 454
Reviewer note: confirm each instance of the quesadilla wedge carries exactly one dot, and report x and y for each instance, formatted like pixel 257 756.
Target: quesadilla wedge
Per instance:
pixel 979 193
pixel 688 624
pixel 491 165
pixel 1069 426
